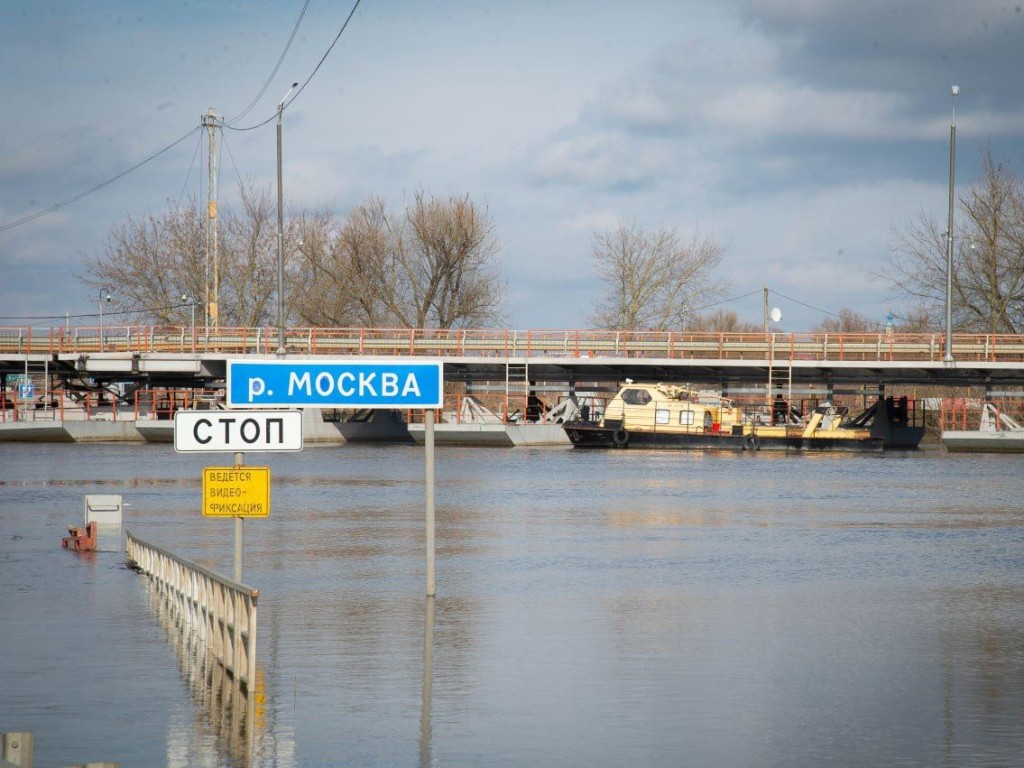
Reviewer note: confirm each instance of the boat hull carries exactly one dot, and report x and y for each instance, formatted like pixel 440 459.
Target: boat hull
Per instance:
pixel 593 435
pixel 982 442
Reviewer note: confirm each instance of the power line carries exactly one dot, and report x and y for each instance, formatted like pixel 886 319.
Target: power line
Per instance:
pixel 312 74
pixel 819 309
pixel 75 198
pixel 802 304
pixel 188 175
pixel 96 188
pixel 787 298
pixel 725 301
pixel 277 66
pixel 234 165
pixel 111 313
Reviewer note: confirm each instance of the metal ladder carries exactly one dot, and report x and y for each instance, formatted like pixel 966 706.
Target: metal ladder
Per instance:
pixel 776 376
pixel 517 384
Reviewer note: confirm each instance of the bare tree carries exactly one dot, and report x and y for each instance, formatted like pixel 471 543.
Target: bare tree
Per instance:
pixel 848 321
pixel 988 260
pixel 653 280
pixel 448 274
pixel 433 266
pixel 318 291
pixel 248 259
pixel 346 268
pixel 914 321
pixel 148 264
pixel 724 321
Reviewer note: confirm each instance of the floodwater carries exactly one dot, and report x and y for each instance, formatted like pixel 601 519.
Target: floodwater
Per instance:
pixel 593 608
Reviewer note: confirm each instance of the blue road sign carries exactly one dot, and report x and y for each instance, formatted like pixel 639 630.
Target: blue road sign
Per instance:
pixel 319 384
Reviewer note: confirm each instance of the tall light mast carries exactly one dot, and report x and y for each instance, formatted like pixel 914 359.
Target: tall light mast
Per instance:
pixel 949 231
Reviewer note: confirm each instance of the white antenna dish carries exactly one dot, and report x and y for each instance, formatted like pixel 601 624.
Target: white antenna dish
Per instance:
pixel 776 314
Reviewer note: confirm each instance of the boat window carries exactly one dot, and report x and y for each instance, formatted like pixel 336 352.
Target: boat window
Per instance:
pixel 661 416
pixel 686 417
pixel 636 397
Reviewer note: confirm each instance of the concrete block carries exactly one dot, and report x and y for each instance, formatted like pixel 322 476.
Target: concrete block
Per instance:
pixel 107 511
pixel 104 509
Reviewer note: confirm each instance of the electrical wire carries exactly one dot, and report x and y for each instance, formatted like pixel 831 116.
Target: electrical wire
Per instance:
pixel 311 76
pixel 802 304
pixel 188 174
pixel 112 313
pixel 96 188
pixel 725 301
pixel 822 311
pixel 787 298
pixel 238 175
pixel 277 66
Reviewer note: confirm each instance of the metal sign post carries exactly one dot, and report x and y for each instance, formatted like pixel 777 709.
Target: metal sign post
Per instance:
pixel 428 452
pixel 237 491
pixel 239 529
pixel 366 383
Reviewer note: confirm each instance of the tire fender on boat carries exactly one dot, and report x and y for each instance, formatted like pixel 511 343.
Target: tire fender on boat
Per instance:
pixel 752 443
pixel 621 438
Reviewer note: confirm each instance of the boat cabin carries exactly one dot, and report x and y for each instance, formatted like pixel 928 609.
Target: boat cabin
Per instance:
pixel 670 408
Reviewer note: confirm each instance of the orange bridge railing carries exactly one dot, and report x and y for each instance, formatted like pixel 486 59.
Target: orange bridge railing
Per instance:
pixel 477 343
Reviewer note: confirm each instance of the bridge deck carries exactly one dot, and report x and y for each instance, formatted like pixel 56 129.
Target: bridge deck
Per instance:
pixel 181 353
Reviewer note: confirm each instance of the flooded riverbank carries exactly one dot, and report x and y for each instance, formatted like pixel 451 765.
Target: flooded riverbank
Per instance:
pixel 609 608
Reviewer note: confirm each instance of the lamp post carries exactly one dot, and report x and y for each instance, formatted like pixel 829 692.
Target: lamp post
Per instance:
pixel 280 230
pixel 192 306
pixel 107 298
pixel 949 231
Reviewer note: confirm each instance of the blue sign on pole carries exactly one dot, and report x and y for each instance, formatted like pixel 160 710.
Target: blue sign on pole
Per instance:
pixel 316 384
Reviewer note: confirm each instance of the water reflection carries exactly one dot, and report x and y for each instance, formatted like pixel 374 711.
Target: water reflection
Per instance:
pixel 229 717
pixel 17 750
pixel 426 730
pixel 594 609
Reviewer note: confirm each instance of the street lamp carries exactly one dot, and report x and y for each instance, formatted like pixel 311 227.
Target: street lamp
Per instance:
pixel 280 230
pixel 192 306
pixel 949 231
pixel 105 295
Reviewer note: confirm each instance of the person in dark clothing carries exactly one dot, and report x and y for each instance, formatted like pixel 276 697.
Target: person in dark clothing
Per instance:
pixel 779 408
pixel 534 407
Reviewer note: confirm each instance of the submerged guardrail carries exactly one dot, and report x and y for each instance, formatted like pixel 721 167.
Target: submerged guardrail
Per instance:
pixel 222 611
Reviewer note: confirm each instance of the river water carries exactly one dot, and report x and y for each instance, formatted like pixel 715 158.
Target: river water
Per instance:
pixel 593 608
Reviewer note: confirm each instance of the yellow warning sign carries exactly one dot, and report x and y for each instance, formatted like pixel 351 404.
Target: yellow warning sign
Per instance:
pixel 236 492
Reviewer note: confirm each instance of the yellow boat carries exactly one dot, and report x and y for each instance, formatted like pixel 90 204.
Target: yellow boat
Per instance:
pixel 670 416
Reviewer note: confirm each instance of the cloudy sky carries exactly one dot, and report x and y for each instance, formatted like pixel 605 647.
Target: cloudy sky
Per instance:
pixel 798 133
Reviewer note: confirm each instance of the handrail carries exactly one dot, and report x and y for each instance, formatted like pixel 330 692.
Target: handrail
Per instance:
pixel 60 404
pixel 222 611
pixel 507 344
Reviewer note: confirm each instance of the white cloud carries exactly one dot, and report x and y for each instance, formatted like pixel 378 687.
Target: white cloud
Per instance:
pixel 590 221
pixel 792 130
pixel 605 159
pixel 755 111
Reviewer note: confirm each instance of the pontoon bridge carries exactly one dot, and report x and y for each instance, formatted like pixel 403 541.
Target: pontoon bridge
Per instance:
pixel 506 366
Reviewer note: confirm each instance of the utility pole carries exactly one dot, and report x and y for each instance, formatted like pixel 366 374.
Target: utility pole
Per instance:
pixel 948 358
pixel 766 312
pixel 212 288
pixel 281 346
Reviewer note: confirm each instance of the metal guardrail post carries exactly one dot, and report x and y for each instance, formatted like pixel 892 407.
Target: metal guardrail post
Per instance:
pixel 221 610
